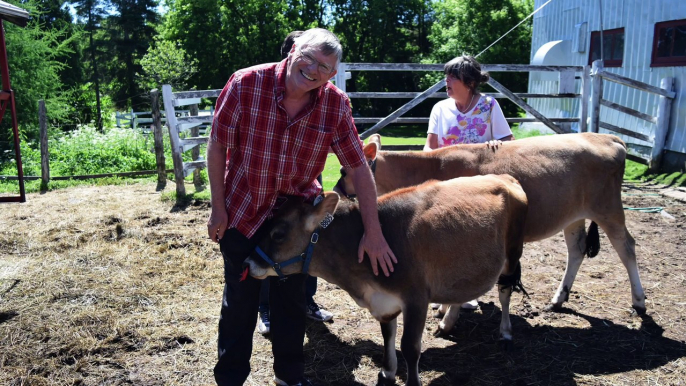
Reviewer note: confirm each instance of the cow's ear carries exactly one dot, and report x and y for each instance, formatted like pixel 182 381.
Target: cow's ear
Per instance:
pixel 326 206
pixel 370 150
pixel 376 138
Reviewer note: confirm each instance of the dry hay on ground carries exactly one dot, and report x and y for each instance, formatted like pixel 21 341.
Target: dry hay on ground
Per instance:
pixel 112 286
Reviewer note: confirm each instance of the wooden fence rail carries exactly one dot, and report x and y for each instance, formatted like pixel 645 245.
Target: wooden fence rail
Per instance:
pixel 661 120
pixel 591 79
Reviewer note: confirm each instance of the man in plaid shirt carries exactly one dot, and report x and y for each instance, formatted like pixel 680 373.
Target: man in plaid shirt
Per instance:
pixel 272 129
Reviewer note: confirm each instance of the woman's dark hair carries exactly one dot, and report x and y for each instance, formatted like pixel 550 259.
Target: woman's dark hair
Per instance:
pixel 468 70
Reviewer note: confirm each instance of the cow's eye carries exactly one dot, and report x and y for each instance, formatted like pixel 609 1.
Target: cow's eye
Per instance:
pixel 278 235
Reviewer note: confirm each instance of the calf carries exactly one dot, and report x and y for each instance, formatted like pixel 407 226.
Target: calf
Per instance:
pixel 567 178
pixel 481 217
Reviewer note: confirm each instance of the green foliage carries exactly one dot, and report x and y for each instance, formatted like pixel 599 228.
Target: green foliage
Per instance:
pixel 34 54
pixel 166 63
pixel 637 172
pixel 467 27
pixel 130 30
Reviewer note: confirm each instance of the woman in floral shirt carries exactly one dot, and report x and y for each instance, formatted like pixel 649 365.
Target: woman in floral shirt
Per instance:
pixel 466 116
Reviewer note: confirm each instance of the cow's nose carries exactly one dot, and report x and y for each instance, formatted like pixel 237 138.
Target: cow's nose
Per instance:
pixel 246 265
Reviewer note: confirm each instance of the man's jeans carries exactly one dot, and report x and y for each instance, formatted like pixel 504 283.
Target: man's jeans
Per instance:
pixel 239 316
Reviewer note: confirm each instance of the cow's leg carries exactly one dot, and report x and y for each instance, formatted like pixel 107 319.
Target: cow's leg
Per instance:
pixel 504 294
pixel 414 318
pixel 625 245
pixel 449 319
pixel 575 237
pixel 390 359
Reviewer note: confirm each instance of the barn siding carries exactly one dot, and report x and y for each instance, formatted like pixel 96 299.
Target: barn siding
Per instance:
pixel 557 22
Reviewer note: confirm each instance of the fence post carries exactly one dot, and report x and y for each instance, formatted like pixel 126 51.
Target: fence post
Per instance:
pixel 339 78
pixel 566 86
pixel 664 109
pixel 597 95
pixel 585 96
pixel 44 153
pixel 158 138
pixel 195 152
pixel 174 139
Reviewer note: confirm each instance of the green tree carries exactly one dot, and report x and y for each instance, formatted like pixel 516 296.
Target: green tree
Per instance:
pixel 33 55
pixel 131 31
pixel 469 26
pixel 227 35
pixel 54 14
pixel 166 63
pixel 393 31
pixel 91 14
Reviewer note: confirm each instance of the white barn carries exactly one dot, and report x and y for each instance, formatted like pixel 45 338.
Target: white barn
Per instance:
pixel 643 40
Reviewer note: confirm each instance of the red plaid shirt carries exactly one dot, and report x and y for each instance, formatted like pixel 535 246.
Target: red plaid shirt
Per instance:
pixel 271 156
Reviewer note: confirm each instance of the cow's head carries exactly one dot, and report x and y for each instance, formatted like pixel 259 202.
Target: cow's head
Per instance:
pixel 344 186
pixel 292 234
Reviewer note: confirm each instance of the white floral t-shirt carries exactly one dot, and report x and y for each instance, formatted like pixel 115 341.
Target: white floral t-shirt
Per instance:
pixel 482 123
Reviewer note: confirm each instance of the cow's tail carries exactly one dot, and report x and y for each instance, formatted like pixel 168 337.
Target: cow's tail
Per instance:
pixel 592 240
pixel 513 280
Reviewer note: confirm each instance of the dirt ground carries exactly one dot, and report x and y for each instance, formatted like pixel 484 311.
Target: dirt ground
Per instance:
pixel 113 286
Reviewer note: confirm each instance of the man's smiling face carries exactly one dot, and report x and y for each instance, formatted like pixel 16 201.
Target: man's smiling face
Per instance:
pixel 309 69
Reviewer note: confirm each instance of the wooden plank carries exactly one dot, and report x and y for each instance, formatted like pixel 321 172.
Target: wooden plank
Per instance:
pixel 627 110
pixel 405 108
pixel 186 102
pixel 197 94
pixel 585 97
pixel 566 85
pixel 88 176
pixel 560 120
pixel 160 160
pixel 526 107
pixel 415 120
pixel 174 139
pixel 443 95
pixel 195 119
pixel 439 67
pixel 44 153
pixel 190 167
pixel 408 120
pixel 664 109
pixel 638 84
pixel 636 158
pixel 626 132
pixel 192 142
pixel 596 95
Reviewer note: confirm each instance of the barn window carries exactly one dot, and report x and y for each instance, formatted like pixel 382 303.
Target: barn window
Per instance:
pixel 669 44
pixel 613 47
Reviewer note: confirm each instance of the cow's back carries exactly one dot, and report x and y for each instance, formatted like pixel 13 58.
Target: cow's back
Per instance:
pixel 565 177
pixel 481 218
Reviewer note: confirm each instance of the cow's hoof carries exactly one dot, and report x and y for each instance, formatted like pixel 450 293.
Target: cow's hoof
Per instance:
pixel 638 310
pixel 383 381
pixel 506 345
pixel 552 307
pixel 438 314
pixel 440 333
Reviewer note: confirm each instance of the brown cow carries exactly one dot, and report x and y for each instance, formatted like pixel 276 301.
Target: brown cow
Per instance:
pixel 567 179
pixel 483 217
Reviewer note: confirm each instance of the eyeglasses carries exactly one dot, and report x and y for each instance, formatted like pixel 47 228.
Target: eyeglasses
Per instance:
pixel 310 60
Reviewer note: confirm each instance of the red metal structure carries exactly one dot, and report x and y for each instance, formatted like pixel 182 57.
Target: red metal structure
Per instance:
pixel 19 17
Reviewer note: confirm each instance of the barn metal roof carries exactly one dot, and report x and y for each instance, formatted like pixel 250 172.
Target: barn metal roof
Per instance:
pixel 13 14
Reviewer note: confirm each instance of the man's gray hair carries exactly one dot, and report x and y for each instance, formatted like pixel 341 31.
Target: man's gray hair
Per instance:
pixel 322 39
